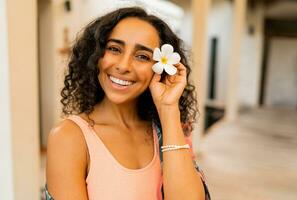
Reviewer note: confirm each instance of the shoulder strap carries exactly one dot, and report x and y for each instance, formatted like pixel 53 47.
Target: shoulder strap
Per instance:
pixel 82 124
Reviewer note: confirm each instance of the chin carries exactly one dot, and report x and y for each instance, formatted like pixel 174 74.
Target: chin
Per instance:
pixel 119 99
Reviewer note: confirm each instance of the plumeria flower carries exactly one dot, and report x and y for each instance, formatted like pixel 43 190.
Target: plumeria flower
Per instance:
pixel 166 59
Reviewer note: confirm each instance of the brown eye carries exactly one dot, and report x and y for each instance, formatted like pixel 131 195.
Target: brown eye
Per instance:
pixel 143 57
pixel 114 49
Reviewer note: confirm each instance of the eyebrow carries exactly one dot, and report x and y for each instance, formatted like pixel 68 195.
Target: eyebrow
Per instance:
pixel 138 46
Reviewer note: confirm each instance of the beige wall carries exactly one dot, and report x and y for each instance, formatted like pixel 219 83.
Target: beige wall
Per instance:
pixel 22 130
pixel 220 26
pixel 251 58
pixel 281 84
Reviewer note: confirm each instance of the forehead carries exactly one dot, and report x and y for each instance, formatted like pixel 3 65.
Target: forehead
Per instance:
pixel 133 30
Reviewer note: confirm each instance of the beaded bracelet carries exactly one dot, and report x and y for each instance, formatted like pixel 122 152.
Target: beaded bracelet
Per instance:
pixel 172 147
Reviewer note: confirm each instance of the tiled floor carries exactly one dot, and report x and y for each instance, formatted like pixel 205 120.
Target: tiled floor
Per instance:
pixel 254 158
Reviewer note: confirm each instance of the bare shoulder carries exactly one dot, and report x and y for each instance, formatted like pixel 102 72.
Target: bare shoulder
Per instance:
pixel 68 136
pixel 66 161
pixel 66 130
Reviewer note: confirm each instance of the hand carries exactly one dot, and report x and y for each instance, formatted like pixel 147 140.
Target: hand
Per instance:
pixel 169 91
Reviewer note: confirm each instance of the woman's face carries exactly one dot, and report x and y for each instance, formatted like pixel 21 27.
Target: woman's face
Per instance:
pixel 126 67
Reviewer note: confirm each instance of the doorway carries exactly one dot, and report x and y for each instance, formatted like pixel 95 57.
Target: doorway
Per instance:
pixel 279 69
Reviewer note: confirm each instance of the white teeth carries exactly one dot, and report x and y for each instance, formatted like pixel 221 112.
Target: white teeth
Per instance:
pixel 119 81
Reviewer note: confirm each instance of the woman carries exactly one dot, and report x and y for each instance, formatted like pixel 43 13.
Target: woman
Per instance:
pixel 120 113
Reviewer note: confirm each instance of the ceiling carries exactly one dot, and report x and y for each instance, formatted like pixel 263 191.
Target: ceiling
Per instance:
pixel 269 2
pixel 285 9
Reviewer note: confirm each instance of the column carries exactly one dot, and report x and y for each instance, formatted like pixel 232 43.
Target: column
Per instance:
pixel 6 162
pixel 200 9
pixel 19 116
pixel 240 7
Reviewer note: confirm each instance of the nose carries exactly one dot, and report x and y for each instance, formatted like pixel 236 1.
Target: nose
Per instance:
pixel 124 65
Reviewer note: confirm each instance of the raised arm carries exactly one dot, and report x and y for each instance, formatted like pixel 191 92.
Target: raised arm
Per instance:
pixel 66 164
pixel 180 178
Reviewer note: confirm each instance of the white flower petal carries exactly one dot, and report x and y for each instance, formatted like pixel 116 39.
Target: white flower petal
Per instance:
pixel 158 68
pixel 167 50
pixel 170 69
pixel 157 54
pixel 174 58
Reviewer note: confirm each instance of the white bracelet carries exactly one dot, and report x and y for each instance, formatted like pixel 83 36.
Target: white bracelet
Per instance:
pixel 174 147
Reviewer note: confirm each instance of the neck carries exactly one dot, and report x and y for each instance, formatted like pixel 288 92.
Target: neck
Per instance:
pixel 107 112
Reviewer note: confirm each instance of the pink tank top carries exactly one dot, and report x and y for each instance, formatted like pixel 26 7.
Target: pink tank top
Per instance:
pixel 109 180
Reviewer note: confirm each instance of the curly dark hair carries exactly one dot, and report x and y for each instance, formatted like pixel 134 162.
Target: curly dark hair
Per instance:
pixel 82 90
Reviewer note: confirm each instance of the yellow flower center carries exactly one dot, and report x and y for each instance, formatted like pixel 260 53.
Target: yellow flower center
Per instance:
pixel 164 60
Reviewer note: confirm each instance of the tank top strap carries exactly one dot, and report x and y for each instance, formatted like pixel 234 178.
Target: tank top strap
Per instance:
pixel 85 129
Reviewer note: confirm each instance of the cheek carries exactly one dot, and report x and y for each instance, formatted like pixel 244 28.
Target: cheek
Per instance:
pixel 103 63
pixel 146 73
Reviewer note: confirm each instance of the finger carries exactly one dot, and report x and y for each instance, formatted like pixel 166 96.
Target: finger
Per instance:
pixel 182 70
pixel 156 78
pixel 171 79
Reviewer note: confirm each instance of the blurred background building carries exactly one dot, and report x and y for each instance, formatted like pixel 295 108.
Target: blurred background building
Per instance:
pixel 244 58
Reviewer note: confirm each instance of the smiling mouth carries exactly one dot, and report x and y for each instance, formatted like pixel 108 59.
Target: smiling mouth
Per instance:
pixel 120 81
